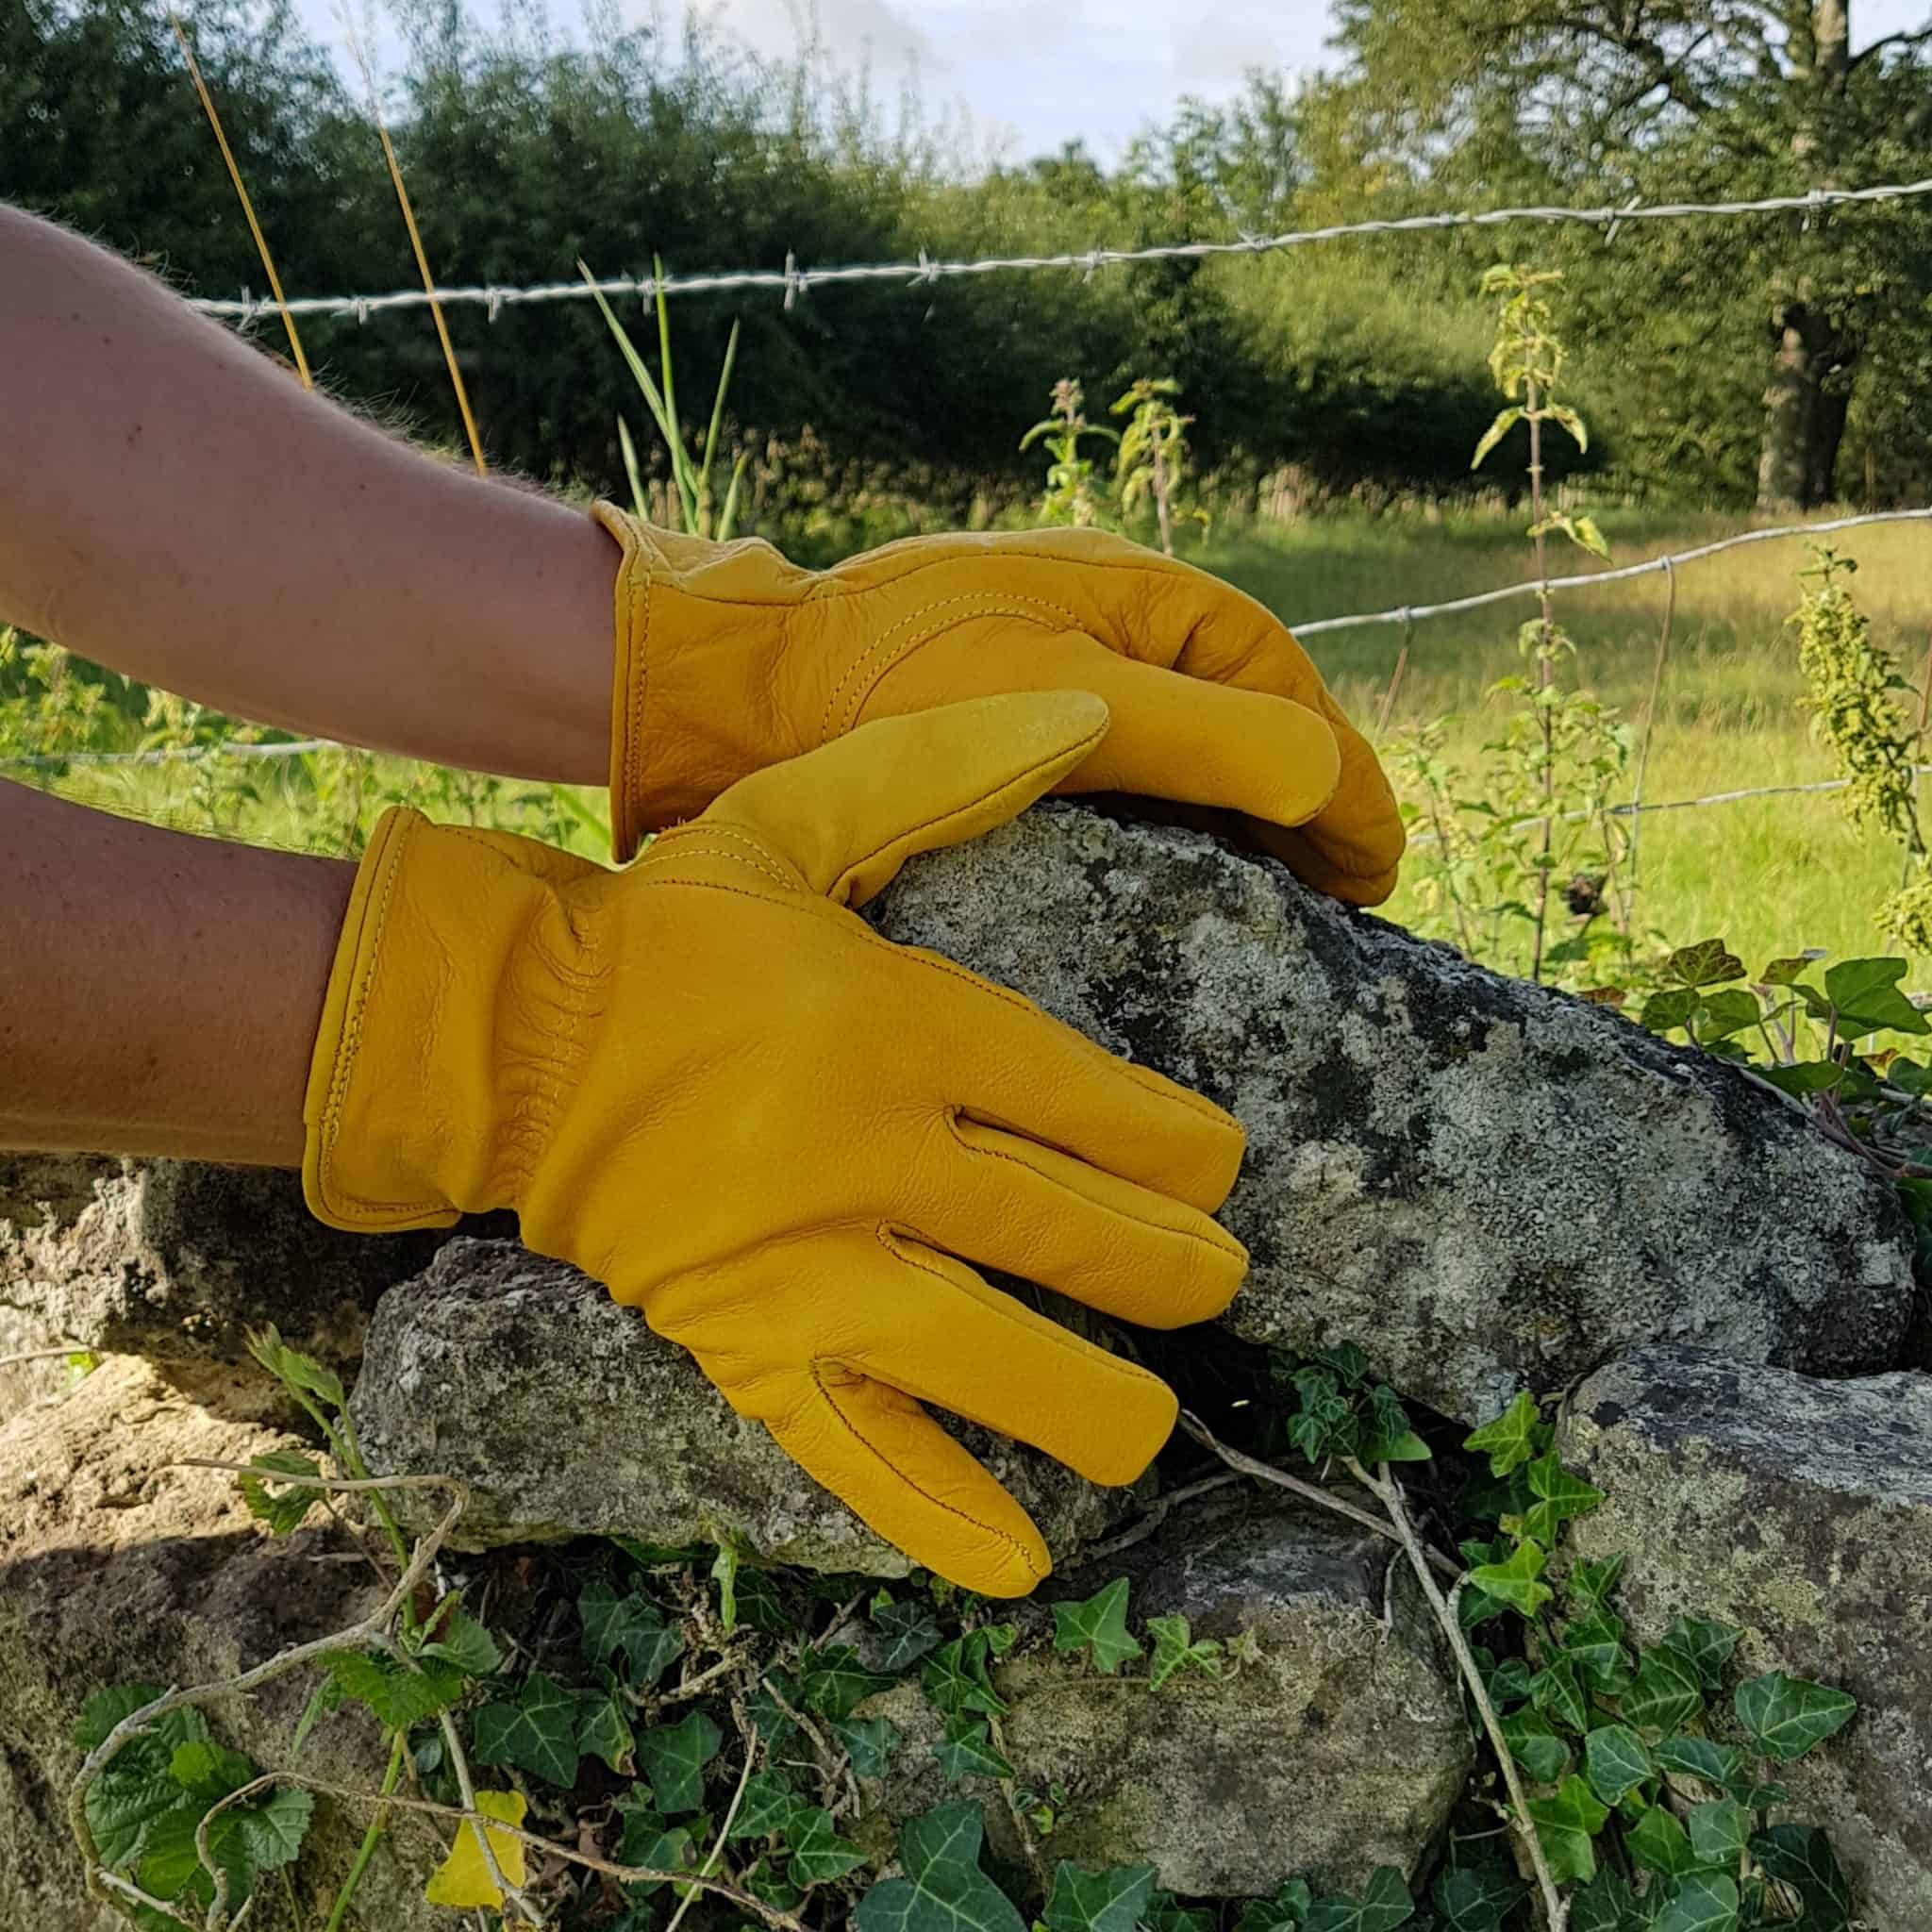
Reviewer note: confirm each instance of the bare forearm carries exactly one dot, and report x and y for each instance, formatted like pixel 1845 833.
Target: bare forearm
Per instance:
pixel 159 994
pixel 175 506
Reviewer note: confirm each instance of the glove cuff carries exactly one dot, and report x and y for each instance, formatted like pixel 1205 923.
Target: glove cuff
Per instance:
pixel 451 1011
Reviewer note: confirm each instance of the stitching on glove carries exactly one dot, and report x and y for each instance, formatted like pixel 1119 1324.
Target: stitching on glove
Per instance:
pixel 998 1535
pixel 1226 1245
pixel 760 860
pixel 988 606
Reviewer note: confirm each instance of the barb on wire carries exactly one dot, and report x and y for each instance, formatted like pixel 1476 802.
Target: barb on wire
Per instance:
pixel 793 281
pixel 1407 613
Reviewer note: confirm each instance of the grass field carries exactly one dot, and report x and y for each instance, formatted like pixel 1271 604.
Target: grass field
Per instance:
pixel 1771 875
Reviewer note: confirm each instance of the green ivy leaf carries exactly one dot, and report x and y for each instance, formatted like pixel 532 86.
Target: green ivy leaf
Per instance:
pixel 1165 1913
pixel 906 1633
pixel 604 1730
pixel 1475 1898
pixel 1660 1844
pixel 1557 1693
pixel 819 1855
pixel 1799 1856
pixel 1566 1823
pixel 967 1751
pixel 955 1677
pixel 1387 1435
pixel 767 1714
pixel 1383 1904
pixel 461 1641
pixel 630 1627
pixel 536 1730
pixel 1508 1683
pixel 648 1840
pixel 283 1510
pixel 1709 962
pixel 1174 1650
pixel 1110 1901
pixel 1722 1766
pixel 1349 1361
pixel 1515 1582
pixel 1866 995
pixel 1708 1645
pixel 399 1695
pixel 1664 1010
pixel 834 1682
pixel 1510 1439
pixel 272 1832
pixel 1667 1693
pixel 1618 1761
pixel 1101 1624
pixel 1722 1015
pixel 672 1757
pixel 1535 1745
pixel 943 1888
pixel 1286 1910
pixel 1558 1498
pixel 1786 1716
pixel 1703 1902
pixel 1590 1582
pixel 768 1803
pixel 869 1742
pixel 1595 1643
pixel 1607 1904
pixel 1719 1831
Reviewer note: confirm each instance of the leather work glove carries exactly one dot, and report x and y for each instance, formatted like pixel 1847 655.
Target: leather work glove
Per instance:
pixel 730 658
pixel 709 1084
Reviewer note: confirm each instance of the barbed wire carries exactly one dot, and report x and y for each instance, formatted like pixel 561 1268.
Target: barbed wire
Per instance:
pixel 1411 614
pixel 794 281
pixel 173 753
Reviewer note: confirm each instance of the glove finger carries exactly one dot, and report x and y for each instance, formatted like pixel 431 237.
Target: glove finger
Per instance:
pixel 1007 1202
pixel 943 1335
pixel 996 1056
pixel 876 1450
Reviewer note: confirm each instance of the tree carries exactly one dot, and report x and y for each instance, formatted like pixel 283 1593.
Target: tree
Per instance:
pixel 1615 99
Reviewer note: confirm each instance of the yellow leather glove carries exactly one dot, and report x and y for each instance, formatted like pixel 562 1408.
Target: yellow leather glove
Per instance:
pixel 730 658
pixel 709 1085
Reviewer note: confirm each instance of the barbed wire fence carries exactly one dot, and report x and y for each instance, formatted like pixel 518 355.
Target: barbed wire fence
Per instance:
pixel 793 281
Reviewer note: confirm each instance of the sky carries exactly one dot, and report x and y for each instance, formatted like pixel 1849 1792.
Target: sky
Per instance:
pixel 1029 75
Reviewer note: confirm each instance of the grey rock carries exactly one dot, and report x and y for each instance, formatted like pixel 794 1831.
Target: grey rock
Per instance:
pixel 1487 1184
pixel 118 1566
pixel 569 1417
pixel 1340 1747
pixel 175 1260
pixel 1802 1512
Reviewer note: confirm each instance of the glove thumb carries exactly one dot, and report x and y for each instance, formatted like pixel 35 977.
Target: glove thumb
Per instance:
pixel 850 814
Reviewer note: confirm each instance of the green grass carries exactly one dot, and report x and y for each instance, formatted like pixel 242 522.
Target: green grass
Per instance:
pixel 1771 875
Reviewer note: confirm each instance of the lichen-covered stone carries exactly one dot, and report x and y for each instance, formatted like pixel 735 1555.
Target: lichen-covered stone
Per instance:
pixel 118 1565
pixel 569 1417
pixel 175 1260
pixel 1802 1512
pixel 1339 1746
pixel 1485 1183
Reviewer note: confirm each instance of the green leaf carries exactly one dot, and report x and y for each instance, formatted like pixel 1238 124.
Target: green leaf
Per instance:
pixel 1703 1902
pixel 536 1731
pixel 1618 1761
pixel 1515 1582
pixel 1555 1693
pixel 1590 1582
pixel 1165 1913
pixel 399 1695
pixel 124 1804
pixel 1587 531
pixel 906 1633
pixel 1386 1434
pixel 282 1509
pixel 461 1641
pixel 1566 1823
pixel 648 1840
pixel 1497 430
pixel 1382 1905
pixel 1508 1682
pixel 724 1575
pixel 1510 1439
pixel 1100 1622
pixel 943 1888
pixel 107 1709
pixel 1349 1361
pixel 1786 1716
pixel 1722 1766
pixel 1721 1015
pixel 272 1832
pixel 1708 1645
pixel 1110 1901
pixel 967 1750
pixel 1709 962
pixel 1806 1078
pixel 604 1729
pixel 1799 1856
pixel 209 1771
pixel 1475 1898
pixel 1865 994
pixel 170 1866
pixel 1535 1745
pixel 956 1679
pixel 1663 1010
pixel 1595 1642
pixel 630 1627
pixel 834 1682
pixel 768 1803
pixel 1667 1693
pixel 869 1742
pixel 767 1714
pixel 1607 1904
pixel 1719 1831
pixel 819 1855
pixel 673 1758
pixel 1558 1496
pixel 1175 1650
pixel 1659 1843
pixel 1286 1910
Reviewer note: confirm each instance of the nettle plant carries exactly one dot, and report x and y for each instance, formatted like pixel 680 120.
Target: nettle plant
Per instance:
pixel 1153 460
pixel 651 1735
pixel 1496 843
pixel 1073 493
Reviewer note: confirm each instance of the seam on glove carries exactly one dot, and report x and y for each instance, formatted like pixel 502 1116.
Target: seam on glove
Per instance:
pixel 760 860
pixel 631 677
pixel 1145 1079
pixel 350 1043
pixel 991 607
pixel 1226 1245
pixel 865 1443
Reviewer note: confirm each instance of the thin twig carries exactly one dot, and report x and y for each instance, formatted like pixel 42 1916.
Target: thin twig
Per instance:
pixel 44 1354
pixel 1395 683
pixel 1267 1472
pixel 724 1832
pixel 1157 1514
